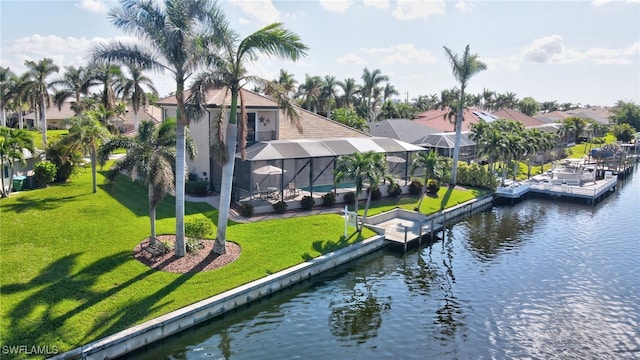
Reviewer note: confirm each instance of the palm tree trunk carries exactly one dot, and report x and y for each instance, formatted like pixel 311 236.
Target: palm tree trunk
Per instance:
pixel 180 247
pixel 3 116
pixel 355 206
pixel 135 121
pixel 93 169
pixel 20 119
pixel 226 184
pixel 456 148
pixel 152 212
pixel 366 207
pixel 43 115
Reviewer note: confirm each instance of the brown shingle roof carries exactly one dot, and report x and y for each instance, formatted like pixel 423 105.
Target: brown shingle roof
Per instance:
pixel 512 114
pixel 218 97
pixel 437 119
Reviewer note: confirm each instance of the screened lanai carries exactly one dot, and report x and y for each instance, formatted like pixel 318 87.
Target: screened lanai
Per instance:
pixel 308 164
pixel 444 143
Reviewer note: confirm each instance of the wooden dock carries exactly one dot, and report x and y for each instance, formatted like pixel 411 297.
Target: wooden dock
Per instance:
pixel 402 226
pixel 591 191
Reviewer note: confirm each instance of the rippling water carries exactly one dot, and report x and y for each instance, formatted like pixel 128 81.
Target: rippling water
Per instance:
pixel 542 279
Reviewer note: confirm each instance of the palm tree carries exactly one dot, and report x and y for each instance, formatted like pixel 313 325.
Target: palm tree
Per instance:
pixel 18 96
pixel 177 34
pixel 532 145
pixel 463 69
pixel 371 81
pixel 6 82
pixel 328 95
pixel 38 88
pixel 309 93
pixel 429 162
pixel 133 91
pixel 110 77
pixel 85 135
pixel 349 91
pixel 229 72
pixel 488 99
pixel 389 91
pixel 368 168
pixel 12 143
pixel 150 157
pixel 547 143
pixel 75 83
pixel 287 81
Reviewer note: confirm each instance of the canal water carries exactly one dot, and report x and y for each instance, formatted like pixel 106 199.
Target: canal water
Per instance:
pixel 542 279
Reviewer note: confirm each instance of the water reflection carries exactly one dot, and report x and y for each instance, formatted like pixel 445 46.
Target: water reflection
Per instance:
pixel 358 316
pixel 493 232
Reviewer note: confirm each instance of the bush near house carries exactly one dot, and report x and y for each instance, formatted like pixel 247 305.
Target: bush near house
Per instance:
pixel 280 207
pixel 197 188
pixel 247 210
pixel 44 172
pixel 329 199
pixel 395 190
pixel 307 202
pixel 349 197
pixel 415 187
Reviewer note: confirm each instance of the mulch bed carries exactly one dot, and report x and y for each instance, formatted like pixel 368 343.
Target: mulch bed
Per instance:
pixel 204 260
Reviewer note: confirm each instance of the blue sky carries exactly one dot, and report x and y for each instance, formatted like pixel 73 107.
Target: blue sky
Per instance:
pixel 585 52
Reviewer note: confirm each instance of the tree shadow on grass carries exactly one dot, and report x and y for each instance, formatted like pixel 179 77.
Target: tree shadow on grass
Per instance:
pixel 30 202
pixel 445 198
pixel 326 246
pixel 43 314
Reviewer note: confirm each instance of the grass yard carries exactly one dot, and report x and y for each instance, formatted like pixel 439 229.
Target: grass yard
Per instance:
pixel 68 276
pixel 52 136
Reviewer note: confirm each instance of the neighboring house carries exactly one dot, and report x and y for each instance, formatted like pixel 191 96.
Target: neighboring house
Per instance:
pixel 598 114
pixel 524 119
pixel 306 154
pixel 442 122
pixel 57 118
pixel 552 117
pixel 19 169
pixel 402 129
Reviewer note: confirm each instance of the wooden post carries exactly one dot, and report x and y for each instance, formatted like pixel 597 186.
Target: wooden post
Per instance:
pixel 420 234
pixel 405 239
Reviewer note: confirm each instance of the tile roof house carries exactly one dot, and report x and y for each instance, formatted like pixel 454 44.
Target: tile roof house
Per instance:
pixel 56 118
pixel 402 129
pixel 437 119
pixel 306 152
pixel 512 114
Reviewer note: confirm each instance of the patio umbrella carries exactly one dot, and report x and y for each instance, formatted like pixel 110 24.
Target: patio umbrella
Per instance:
pixel 268 170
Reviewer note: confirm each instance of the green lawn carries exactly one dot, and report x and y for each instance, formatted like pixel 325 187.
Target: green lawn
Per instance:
pixel 52 136
pixel 68 276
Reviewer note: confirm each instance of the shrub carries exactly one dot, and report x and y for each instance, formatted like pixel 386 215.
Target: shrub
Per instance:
pixel 415 187
pixel 349 197
pixel 246 210
pixel 395 190
pixel 193 245
pixel 167 246
pixel 376 194
pixel 307 202
pixel 45 172
pixel 280 207
pixel 432 186
pixel 198 228
pixel 198 188
pixel 329 199
pixel 67 161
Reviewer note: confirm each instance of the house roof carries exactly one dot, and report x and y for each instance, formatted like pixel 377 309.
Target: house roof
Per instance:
pixel 53 113
pixel 65 112
pixel 437 119
pixel 401 129
pixel 512 114
pixel 553 116
pixel 312 125
pixel 328 147
pixel 445 140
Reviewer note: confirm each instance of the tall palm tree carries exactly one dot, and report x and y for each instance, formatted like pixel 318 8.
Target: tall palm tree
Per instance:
pixel 6 82
pixel 328 94
pixel 19 97
pixel 371 81
pixel 133 91
pixel 532 144
pixel 229 72
pixel 12 143
pixel 288 82
pixel 488 99
pixel 85 135
pixel 429 162
pixel 176 35
pixel 38 87
pixel 389 91
pixel 463 69
pixel 150 157
pixel 368 168
pixel 547 143
pixel 75 83
pixel 349 91
pixel 111 78
pixel 309 92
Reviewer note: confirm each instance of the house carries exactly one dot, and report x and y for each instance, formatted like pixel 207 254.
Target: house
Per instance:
pixel 512 114
pixel 305 154
pixel 21 171
pixel 57 118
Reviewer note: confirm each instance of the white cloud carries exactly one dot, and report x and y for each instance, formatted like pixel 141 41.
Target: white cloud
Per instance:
pixel 414 9
pixel 95 6
pixel 464 6
pixel 261 10
pixel 403 54
pixel 351 58
pixel 336 5
pixel 544 49
pixel 409 54
pixel 552 49
pixel 380 4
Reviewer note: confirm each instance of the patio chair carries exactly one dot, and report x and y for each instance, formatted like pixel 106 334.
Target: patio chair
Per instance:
pixel 292 190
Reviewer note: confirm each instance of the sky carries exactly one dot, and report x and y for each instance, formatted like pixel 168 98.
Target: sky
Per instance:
pixel 582 51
